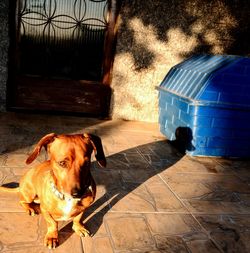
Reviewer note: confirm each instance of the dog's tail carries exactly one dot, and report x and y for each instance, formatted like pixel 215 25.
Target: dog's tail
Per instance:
pixel 10 187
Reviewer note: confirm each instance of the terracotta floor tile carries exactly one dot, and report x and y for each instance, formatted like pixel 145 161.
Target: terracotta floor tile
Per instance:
pixel 170 244
pixel 107 178
pixel 201 246
pixel 245 198
pixel 129 233
pixel 94 222
pixel 216 207
pixel 189 190
pixel 27 249
pixel 97 245
pixel 5 174
pixel 221 182
pixel 19 171
pixel 164 198
pixel 9 202
pixel 198 165
pixel 230 232
pixel 150 198
pixel 133 198
pixel 239 166
pixel 18 228
pixel 138 175
pixel 69 243
pixel 172 224
pixel 16 160
pixel 209 165
pixel 3 158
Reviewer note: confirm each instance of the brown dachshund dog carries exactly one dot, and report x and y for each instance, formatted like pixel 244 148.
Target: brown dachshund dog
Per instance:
pixel 62 185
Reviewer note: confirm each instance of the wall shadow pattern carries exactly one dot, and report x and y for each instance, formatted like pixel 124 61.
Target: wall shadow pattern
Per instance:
pixel 226 21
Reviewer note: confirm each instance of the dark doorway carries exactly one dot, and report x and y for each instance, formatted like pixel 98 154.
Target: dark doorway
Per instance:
pixel 61 55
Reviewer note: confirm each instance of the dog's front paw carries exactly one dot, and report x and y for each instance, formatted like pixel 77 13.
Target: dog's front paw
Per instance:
pixel 51 240
pixel 80 230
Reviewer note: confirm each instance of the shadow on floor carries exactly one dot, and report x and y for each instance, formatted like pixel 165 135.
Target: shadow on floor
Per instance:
pixel 126 171
pixel 22 130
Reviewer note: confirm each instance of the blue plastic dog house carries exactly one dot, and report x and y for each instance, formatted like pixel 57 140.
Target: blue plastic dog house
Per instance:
pixel 209 96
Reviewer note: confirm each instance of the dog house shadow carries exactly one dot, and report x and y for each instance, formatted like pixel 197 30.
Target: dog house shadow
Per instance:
pixel 126 171
pixel 183 140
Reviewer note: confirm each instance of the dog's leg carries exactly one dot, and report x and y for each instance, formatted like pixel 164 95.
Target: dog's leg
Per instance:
pixel 31 208
pixel 51 238
pixel 26 201
pixel 78 226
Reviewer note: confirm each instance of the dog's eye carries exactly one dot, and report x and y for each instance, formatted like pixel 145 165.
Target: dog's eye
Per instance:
pixel 63 164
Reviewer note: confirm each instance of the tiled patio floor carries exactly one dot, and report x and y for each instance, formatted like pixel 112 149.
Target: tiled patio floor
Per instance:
pixel 150 198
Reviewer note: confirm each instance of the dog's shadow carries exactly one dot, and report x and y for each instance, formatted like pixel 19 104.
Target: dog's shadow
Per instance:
pixel 126 171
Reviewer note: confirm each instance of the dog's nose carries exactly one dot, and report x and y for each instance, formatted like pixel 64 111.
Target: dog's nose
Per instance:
pixel 76 193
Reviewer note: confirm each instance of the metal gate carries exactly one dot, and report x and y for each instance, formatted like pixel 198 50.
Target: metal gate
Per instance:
pixel 62 45
pixel 62 38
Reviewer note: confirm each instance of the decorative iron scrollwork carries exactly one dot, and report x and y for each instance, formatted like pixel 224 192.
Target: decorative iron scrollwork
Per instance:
pixel 57 18
pixel 62 38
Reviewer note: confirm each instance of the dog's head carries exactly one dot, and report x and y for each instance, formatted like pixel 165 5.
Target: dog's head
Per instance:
pixel 70 159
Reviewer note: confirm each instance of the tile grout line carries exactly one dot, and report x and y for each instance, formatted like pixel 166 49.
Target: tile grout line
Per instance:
pixel 109 234
pixel 204 230
pixel 176 212
pixel 82 246
pixel 233 171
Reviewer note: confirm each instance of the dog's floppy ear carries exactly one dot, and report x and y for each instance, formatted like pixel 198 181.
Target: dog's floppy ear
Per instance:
pixel 97 147
pixel 42 143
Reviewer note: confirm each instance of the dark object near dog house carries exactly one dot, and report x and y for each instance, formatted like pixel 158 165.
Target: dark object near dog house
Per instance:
pixel 207 98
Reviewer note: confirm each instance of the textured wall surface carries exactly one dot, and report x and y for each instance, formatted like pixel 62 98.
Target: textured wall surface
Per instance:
pixel 4 44
pixel 154 35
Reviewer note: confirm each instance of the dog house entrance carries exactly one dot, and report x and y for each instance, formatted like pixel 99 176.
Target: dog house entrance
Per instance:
pixel 61 49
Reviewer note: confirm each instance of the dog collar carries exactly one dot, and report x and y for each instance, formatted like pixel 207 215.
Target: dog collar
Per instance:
pixel 62 196
pixel 54 189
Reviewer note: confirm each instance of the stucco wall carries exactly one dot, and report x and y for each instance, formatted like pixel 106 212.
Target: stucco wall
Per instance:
pixel 154 35
pixel 4 44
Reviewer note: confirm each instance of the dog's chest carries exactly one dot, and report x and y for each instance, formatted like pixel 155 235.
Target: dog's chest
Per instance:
pixel 68 208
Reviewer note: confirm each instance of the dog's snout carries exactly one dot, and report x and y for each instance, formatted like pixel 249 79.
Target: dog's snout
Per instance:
pixel 76 193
